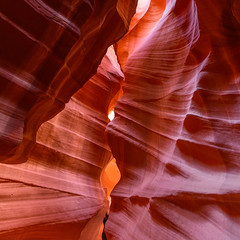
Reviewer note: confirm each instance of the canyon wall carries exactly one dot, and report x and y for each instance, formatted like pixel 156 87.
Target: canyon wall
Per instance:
pixel 57 193
pixel 176 132
pixel 175 135
pixel 51 163
pixel 48 51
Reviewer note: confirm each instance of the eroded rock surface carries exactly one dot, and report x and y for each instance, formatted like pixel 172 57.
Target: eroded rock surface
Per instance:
pixel 49 49
pixel 176 132
pixel 175 135
pixel 48 52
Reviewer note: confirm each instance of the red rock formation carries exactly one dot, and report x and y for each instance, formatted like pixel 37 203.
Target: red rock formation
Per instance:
pixel 44 49
pixel 48 51
pixel 58 192
pixel 175 136
pixel 176 132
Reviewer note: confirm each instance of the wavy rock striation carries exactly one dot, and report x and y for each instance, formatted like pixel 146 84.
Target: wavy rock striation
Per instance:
pixel 49 49
pixel 176 132
pixel 175 135
pixel 57 193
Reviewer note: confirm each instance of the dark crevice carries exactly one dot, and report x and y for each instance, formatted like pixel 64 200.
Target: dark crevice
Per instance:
pixel 104 237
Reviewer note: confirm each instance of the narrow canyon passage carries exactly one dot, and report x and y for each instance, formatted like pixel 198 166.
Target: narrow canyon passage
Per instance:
pixel 119 110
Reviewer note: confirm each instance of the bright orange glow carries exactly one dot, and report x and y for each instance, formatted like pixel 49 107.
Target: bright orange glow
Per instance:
pixel 110 176
pixel 142 5
pixel 100 232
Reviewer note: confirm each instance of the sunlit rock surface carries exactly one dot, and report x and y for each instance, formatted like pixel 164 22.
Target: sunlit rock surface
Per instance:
pixel 58 192
pixel 175 135
pixel 48 52
pixel 49 49
pixel 58 189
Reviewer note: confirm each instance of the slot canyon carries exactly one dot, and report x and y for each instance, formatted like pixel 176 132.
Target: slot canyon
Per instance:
pixel 119 119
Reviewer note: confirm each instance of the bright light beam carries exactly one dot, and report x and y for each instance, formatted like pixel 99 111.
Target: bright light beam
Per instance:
pixel 111 115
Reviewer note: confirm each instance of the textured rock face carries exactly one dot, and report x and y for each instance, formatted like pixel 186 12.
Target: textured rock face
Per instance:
pixel 49 49
pixel 175 136
pixel 57 192
pixel 176 132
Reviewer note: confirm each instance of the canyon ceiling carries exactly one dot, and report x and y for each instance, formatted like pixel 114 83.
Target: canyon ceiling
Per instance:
pixel 170 70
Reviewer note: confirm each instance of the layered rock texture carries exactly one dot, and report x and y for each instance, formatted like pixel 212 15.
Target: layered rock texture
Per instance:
pixel 51 166
pixel 175 79
pixel 176 131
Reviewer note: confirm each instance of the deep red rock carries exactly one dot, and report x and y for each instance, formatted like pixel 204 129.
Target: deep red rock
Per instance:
pixel 47 54
pixel 49 50
pixel 175 135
